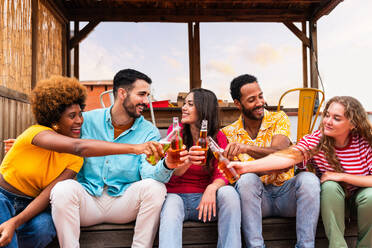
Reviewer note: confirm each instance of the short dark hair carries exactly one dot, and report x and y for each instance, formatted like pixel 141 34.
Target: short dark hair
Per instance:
pixel 238 82
pixel 125 79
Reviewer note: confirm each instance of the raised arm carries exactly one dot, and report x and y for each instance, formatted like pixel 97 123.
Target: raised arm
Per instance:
pixel 91 148
pixel 276 161
pixel 279 142
pixel 8 228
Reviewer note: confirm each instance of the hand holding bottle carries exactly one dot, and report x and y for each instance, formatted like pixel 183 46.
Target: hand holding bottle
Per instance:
pixel 229 172
pixel 197 155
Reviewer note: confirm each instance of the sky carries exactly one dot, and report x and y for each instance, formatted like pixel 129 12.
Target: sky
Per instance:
pixel 269 51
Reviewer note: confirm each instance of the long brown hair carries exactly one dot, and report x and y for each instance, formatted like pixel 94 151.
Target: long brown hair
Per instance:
pixel 206 105
pixel 357 116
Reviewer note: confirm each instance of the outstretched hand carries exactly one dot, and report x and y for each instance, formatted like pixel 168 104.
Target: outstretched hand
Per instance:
pixel 7 230
pixel 150 148
pixel 238 166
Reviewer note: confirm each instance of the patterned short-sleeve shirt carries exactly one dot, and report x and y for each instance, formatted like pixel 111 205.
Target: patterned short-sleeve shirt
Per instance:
pixel 273 123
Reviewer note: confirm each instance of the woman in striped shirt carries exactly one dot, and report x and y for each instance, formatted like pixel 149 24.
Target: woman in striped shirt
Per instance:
pixel 341 154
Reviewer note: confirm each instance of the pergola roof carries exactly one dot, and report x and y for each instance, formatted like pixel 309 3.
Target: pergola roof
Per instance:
pixel 196 10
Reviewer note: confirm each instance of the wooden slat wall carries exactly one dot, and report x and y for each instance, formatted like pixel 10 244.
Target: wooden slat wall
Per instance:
pixel 15 45
pixel 15 117
pixel 49 44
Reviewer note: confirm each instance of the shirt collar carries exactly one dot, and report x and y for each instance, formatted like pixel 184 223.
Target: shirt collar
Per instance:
pixel 265 124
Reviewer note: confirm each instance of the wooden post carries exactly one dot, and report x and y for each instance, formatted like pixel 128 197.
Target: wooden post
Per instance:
pixel 304 58
pixel 313 54
pixel 76 51
pixel 197 75
pixel 68 50
pixel 64 50
pixel 34 40
pixel 191 54
pixel 194 55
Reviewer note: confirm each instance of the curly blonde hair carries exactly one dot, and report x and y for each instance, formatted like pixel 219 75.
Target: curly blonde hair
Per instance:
pixel 51 97
pixel 357 116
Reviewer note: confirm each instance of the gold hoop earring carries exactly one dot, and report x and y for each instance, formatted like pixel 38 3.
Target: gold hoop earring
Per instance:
pixel 55 127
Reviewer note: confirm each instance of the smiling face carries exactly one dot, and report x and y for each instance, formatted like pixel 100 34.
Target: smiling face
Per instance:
pixel 136 99
pixel 335 124
pixel 189 112
pixel 251 102
pixel 70 122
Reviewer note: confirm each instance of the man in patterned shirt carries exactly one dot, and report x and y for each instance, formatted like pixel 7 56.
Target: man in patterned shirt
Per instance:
pixel 256 134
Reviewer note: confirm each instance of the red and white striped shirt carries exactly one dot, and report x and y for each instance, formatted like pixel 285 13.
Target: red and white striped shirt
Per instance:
pixel 355 158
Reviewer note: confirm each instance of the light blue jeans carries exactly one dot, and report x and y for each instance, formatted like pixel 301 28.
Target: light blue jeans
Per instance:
pixel 37 232
pixel 178 208
pixel 299 196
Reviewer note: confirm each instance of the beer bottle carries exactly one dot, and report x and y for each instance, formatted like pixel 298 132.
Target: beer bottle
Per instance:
pixel 230 173
pixel 202 141
pixel 165 142
pixel 176 143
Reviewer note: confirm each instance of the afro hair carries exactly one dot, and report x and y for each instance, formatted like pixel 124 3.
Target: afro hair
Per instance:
pixel 51 97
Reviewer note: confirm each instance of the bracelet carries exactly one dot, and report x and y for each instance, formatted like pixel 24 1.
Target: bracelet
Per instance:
pixel 165 165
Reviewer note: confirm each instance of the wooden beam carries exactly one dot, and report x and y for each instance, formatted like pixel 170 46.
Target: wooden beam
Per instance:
pixel 186 15
pixel 324 9
pixel 313 55
pixel 34 40
pixel 55 10
pixel 83 33
pixel 194 55
pixel 64 50
pixel 302 36
pixel 13 94
pixel 68 50
pixel 76 51
pixel 191 54
pixel 304 58
pixel 197 75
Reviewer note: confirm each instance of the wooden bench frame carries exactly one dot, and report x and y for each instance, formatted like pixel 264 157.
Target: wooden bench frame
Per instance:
pixel 277 232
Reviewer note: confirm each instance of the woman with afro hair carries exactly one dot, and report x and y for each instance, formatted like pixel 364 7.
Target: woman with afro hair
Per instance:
pixel 45 154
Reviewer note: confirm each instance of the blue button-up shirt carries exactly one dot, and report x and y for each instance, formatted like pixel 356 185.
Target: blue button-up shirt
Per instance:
pixel 118 172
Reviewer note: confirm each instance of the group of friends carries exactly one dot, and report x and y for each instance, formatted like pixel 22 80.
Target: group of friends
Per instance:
pixel 76 168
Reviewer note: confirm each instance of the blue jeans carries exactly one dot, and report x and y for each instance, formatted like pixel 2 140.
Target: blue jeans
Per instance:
pixel 178 208
pixel 37 232
pixel 299 196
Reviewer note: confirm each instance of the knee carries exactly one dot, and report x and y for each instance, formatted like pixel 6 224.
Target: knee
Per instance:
pixel 43 228
pixel 64 193
pixel 364 199
pixel 173 209
pixel 331 187
pixel 228 197
pixel 248 182
pixel 308 183
pixel 154 191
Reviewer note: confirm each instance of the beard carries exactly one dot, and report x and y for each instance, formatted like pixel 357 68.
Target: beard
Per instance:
pixel 130 108
pixel 249 113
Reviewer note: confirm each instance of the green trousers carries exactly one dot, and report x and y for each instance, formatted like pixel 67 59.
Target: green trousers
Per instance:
pixel 332 205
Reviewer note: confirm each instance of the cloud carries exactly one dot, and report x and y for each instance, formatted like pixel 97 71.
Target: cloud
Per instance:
pixel 170 90
pixel 265 54
pixel 172 62
pixel 96 61
pixel 221 67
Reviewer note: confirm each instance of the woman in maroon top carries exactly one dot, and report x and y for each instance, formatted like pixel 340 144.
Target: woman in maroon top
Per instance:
pixel 199 192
